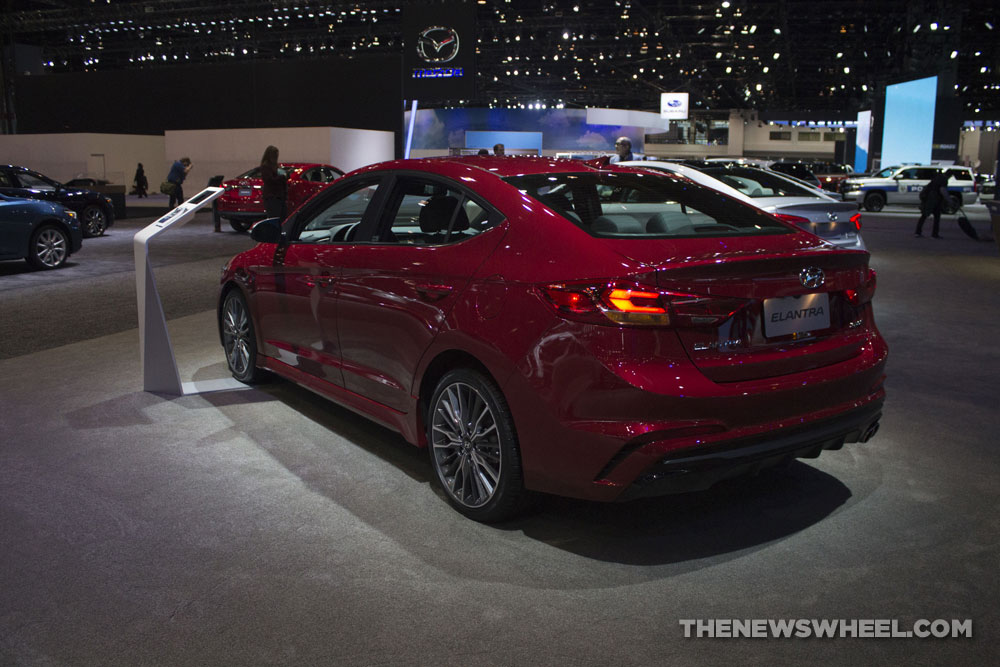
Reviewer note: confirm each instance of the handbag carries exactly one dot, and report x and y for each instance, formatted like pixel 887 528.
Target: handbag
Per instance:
pixel 167 187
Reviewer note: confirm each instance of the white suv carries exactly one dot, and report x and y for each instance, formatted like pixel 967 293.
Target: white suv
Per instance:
pixel 902 185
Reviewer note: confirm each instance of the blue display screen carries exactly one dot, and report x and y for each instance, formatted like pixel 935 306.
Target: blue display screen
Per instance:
pixel 908 130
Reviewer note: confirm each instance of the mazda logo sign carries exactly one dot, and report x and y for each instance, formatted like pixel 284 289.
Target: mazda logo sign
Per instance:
pixel 812 277
pixel 437 44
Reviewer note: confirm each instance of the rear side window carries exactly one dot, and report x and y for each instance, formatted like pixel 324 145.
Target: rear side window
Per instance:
pixel 759 182
pixel 637 206
pixel 427 212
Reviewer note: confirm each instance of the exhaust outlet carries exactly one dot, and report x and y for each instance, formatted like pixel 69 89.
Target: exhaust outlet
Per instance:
pixel 869 432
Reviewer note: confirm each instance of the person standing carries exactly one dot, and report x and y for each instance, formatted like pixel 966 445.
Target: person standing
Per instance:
pixel 498 149
pixel 623 150
pixel 274 187
pixel 141 182
pixel 178 172
pixel 932 201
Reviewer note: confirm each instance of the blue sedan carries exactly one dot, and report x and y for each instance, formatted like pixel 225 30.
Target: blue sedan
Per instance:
pixel 44 233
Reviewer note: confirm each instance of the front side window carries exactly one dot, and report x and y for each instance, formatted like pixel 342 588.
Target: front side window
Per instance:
pixel 338 220
pixel 637 206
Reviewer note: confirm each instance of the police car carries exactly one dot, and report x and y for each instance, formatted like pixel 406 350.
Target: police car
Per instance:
pixel 902 185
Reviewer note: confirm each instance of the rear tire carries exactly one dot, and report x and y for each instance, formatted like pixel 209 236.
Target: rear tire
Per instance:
pixel 874 202
pixel 952 204
pixel 473 447
pixel 239 339
pixel 48 248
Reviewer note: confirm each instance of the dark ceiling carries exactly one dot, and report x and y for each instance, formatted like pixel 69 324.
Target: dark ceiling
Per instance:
pixel 770 55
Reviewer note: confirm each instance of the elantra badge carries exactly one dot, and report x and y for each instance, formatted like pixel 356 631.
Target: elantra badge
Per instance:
pixel 812 277
pixel 437 44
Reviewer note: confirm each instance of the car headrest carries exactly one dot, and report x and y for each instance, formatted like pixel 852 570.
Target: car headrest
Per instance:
pixel 437 212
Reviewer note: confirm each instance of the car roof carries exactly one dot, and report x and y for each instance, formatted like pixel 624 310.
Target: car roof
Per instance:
pixel 499 166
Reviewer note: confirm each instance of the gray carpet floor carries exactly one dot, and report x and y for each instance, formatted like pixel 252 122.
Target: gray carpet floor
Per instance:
pixel 267 526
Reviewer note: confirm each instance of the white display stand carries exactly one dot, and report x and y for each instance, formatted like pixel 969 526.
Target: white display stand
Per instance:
pixel 159 367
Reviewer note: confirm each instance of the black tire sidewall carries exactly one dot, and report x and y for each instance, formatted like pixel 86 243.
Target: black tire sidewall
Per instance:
pixel 875 202
pixel 510 495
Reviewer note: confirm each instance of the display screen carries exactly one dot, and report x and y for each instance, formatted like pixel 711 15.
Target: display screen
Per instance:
pixel 861 143
pixel 908 130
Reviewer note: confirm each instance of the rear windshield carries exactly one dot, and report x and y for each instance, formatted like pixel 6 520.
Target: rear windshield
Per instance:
pixel 616 205
pixel 759 183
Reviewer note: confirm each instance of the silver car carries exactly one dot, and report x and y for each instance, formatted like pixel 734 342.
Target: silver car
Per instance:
pixel 806 207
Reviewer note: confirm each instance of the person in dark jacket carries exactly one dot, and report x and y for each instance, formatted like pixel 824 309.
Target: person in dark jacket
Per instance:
pixel 274 188
pixel 932 201
pixel 178 172
pixel 141 182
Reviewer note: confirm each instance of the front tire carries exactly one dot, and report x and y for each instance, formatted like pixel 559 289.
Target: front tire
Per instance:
pixel 874 202
pixel 95 221
pixel 473 447
pixel 239 339
pixel 48 248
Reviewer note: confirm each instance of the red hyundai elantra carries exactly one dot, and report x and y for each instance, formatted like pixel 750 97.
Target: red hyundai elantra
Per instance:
pixel 242 204
pixel 542 325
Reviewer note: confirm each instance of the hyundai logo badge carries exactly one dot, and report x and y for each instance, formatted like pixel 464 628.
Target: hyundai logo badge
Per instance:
pixel 811 277
pixel 832 216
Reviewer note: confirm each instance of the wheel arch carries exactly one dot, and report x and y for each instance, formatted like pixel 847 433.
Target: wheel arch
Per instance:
pixel 55 222
pixel 443 362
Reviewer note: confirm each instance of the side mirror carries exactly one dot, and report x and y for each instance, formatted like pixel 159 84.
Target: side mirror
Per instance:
pixel 267 231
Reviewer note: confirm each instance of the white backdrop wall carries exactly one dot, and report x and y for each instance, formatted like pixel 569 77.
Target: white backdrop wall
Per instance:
pixel 64 156
pixel 232 152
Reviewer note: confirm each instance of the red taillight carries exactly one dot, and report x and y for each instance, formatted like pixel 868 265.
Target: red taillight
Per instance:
pixel 794 219
pixel 638 305
pixel 856 220
pixel 863 294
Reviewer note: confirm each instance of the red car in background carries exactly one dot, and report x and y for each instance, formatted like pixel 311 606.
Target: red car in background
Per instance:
pixel 536 334
pixel 243 205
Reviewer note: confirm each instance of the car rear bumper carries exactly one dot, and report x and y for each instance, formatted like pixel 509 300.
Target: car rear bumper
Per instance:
pixel 696 469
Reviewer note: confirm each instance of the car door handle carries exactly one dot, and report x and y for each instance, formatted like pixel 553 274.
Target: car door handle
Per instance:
pixel 321 281
pixel 433 292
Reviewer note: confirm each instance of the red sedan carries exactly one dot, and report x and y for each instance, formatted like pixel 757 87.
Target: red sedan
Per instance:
pixel 543 325
pixel 243 205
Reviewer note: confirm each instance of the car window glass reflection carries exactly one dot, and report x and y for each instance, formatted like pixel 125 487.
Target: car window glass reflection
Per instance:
pixel 34 182
pixel 631 206
pixel 430 213
pixel 338 221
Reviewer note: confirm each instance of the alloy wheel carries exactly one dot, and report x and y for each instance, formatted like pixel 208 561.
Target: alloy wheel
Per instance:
pixel 237 336
pixel 50 247
pixel 466 445
pixel 94 221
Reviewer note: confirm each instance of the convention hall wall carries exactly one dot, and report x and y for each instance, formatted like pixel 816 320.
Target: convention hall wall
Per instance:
pixel 226 152
pixel 112 157
pixel 300 93
pixel 231 152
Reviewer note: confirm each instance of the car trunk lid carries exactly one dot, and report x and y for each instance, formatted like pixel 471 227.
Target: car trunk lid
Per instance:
pixel 796 307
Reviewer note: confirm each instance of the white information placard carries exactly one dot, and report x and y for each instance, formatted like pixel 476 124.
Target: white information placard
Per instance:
pixel 159 367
